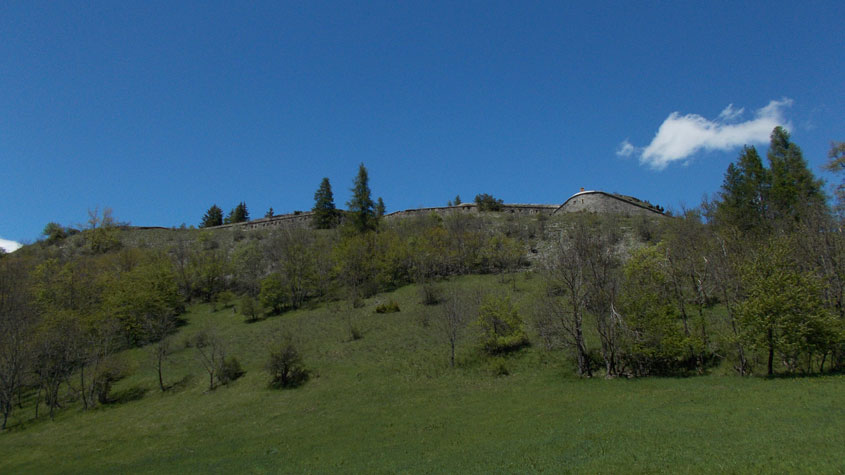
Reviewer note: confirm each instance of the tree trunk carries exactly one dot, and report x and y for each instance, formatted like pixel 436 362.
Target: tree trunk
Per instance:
pixel 770 335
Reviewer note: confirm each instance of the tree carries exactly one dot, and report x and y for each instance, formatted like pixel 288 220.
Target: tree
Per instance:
pixel 794 189
pixel 238 215
pixel 213 217
pixel 55 232
pixel 17 322
pixel 452 320
pixel 325 214
pixel 457 200
pixel 487 202
pixel 836 164
pixel 211 352
pixel 158 329
pixel 269 213
pixel 380 208
pixel 745 193
pixel 566 271
pixel 285 366
pixel 361 206
pixel 784 313
pixel 501 325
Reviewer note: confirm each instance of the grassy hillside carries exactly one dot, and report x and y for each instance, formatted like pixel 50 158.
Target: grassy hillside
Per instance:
pixel 388 402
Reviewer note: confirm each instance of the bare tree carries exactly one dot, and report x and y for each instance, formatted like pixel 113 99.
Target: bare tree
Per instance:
pixel 211 352
pixel 158 328
pixel 566 269
pixel 455 313
pixel 17 320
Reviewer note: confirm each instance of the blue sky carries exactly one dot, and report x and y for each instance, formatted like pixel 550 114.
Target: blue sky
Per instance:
pixel 161 109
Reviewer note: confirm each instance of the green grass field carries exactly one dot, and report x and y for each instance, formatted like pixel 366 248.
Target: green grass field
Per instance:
pixel 388 402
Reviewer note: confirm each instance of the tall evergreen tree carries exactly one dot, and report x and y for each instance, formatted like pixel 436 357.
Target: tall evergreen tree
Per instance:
pixel 238 215
pixel 794 190
pixel 325 214
pixel 213 217
pixel 745 192
pixel 380 208
pixel 361 206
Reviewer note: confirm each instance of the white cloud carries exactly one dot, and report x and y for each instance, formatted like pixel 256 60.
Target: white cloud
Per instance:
pixel 625 149
pixel 730 114
pixel 681 136
pixel 9 246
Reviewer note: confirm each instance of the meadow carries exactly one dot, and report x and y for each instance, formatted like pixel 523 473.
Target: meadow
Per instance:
pixel 389 402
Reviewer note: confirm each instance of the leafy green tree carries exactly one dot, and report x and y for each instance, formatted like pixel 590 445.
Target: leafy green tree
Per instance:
pixel 501 324
pixel 656 340
pixel 238 215
pixel 274 294
pixel 213 217
pixel 55 232
pixel 361 206
pixel 325 213
pixel 784 313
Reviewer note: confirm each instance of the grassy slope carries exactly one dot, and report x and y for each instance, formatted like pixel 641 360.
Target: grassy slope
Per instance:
pixel 388 402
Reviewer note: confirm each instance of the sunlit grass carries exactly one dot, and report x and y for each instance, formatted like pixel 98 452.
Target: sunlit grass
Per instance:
pixel 388 402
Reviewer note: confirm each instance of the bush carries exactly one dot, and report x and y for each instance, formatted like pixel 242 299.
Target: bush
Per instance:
pixel 110 372
pixel 230 370
pixel 502 325
pixel 286 368
pixel 431 293
pixel 250 308
pixel 223 300
pixel 273 294
pixel 389 307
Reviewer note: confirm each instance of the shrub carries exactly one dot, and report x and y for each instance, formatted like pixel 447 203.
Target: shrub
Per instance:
pixel 389 307
pixel 501 324
pixel 223 300
pixel 431 293
pixel 230 370
pixel 285 367
pixel 273 294
pixel 250 308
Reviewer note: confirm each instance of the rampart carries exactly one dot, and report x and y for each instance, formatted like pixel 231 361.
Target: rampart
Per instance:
pixel 590 201
pixel 601 202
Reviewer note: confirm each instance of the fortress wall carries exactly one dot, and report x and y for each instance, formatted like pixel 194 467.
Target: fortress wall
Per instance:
pixel 600 202
pixel 592 201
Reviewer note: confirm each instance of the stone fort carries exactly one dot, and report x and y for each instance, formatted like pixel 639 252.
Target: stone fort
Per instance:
pixel 587 201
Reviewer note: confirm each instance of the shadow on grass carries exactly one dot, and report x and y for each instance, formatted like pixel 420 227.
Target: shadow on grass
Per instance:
pixel 180 385
pixel 133 393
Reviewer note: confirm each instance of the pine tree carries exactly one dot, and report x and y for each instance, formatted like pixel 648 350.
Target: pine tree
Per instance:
pixel 361 206
pixel 325 214
pixel 213 217
pixel 380 208
pixel 745 192
pixel 238 215
pixel 794 189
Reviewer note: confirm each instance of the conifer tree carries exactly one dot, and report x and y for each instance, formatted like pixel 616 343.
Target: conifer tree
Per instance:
pixel 361 206
pixel 325 214
pixel 380 208
pixel 270 213
pixel 213 217
pixel 794 189
pixel 238 215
